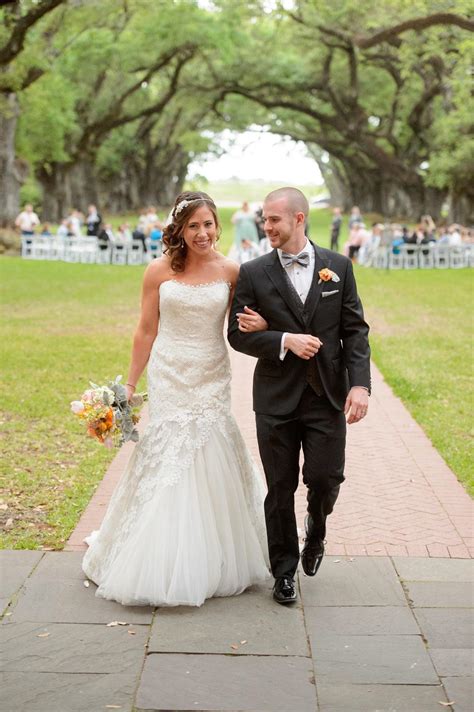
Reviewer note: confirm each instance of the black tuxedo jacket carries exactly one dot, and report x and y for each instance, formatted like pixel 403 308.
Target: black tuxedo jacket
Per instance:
pixel 337 320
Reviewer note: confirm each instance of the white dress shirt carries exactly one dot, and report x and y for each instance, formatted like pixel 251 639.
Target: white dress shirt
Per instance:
pixel 301 279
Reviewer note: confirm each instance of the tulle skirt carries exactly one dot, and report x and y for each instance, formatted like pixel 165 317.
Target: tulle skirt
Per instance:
pixel 169 541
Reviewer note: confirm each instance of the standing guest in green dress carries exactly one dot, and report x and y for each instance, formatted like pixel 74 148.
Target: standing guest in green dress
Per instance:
pixel 245 226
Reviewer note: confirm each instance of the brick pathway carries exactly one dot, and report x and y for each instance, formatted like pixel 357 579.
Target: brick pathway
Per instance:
pixel 399 499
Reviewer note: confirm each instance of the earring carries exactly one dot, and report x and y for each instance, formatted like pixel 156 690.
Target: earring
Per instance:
pixel 182 244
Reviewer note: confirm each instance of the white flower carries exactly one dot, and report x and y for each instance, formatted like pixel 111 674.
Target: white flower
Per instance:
pixel 77 407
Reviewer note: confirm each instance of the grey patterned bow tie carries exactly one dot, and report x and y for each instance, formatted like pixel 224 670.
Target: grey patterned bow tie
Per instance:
pixel 301 259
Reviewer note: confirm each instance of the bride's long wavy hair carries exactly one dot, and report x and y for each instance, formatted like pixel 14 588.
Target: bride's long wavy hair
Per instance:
pixel 173 241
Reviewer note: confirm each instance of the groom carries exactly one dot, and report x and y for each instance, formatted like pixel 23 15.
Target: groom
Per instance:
pixel 312 370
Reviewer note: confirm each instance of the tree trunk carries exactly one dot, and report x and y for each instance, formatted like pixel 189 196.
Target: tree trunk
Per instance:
pixel 461 206
pixel 57 198
pixel 376 191
pixel 10 180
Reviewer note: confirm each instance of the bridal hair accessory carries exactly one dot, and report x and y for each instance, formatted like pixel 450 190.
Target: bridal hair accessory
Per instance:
pixel 109 415
pixel 184 204
pixel 327 275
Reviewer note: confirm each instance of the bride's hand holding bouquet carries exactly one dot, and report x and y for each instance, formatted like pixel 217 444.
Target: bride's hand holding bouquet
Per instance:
pixel 110 412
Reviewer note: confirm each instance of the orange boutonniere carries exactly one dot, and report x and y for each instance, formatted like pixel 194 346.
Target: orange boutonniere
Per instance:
pixel 327 275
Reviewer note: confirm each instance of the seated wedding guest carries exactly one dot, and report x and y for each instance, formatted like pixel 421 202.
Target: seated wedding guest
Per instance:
pixel 357 237
pixel 124 235
pixel 369 246
pixel 397 242
pixel 27 220
pixel 106 237
pixel 63 229
pixel 156 235
pixel 45 231
pixel 93 221
pixel 248 250
pixel 467 235
pixel 454 235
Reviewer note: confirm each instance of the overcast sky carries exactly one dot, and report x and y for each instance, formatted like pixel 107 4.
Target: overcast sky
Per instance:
pixel 260 155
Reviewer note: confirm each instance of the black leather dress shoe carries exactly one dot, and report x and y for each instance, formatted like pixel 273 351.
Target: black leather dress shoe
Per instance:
pixel 312 556
pixel 284 590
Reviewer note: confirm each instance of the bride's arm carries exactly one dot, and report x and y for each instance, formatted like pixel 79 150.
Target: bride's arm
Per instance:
pixel 147 328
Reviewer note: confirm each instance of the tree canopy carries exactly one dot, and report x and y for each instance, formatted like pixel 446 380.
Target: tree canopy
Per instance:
pixel 111 101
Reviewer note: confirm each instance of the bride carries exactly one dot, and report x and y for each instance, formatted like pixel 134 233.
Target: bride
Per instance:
pixel 185 522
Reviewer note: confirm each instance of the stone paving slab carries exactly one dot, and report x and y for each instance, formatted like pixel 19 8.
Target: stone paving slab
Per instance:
pixel 394 659
pixel 453 662
pixel 440 594
pixel 55 593
pixel 253 617
pixel 422 569
pixel 15 567
pixel 60 565
pixel 379 698
pixel 460 690
pixel 53 692
pixel 72 648
pixel 363 581
pixel 358 620
pixel 446 627
pixel 226 682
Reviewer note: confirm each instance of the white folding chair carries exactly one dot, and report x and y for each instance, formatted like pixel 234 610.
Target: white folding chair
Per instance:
pixel 457 257
pixel 426 256
pixel 441 256
pixel 135 253
pixel 395 261
pixel 41 248
pixel 27 246
pixel 119 255
pixel 103 256
pixel 89 248
pixel 380 258
pixel 410 256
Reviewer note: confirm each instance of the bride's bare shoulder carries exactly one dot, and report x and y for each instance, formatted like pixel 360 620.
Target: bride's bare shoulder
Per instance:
pixel 231 270
pixel 158 271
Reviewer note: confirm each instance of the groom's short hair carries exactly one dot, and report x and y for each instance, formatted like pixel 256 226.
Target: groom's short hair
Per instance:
pixel 297 201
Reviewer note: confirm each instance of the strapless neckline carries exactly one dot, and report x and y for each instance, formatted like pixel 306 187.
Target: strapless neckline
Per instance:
pixel 201 284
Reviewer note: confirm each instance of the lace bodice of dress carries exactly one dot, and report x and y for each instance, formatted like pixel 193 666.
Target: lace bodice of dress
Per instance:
pixel 188 370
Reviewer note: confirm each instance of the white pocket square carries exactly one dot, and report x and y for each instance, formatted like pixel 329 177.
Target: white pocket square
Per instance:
pixel 328 294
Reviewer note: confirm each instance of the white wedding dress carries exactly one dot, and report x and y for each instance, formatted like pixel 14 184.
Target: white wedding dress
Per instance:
pixel 186 521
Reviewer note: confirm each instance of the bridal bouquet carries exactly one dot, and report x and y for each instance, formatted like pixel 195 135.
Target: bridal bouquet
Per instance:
pixel 109 416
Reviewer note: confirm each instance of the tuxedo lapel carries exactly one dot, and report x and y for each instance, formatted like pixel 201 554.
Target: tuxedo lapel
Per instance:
pixel 275 272
pixel 314 293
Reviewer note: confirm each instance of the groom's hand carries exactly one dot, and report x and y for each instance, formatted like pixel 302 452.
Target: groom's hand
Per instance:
pixel 304 346
pixel 250 321
pixel 357 403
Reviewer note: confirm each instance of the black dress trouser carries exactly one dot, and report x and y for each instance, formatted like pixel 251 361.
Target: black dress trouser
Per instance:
pixel 320 430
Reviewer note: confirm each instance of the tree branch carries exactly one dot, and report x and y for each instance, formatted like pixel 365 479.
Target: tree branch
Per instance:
pixel 17 38
pixel 418 23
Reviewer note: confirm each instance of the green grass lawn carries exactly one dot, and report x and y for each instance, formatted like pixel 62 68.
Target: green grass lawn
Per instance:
pixel 421 338
pixel 67 323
